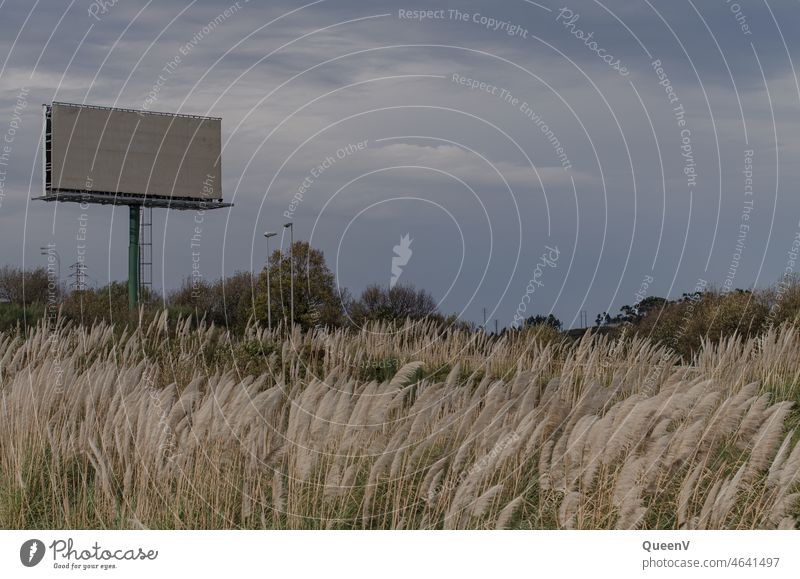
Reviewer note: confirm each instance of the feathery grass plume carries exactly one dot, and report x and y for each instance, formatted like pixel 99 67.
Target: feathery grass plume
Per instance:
pixel 780 458
pixel 779 514
pixel 752 421
pixel 405 374
pixel 726 498
pixel 631 515
pixel 767 439
pixel 790 472
pixel 687 495
pixel 428 488
pixel 626 487
pixel 483 502
pixel 706 512
pixel 507 513
pixel 568 510
pixel 378 468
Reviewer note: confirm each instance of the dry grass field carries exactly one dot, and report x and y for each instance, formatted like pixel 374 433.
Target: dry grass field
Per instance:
pixel 401 428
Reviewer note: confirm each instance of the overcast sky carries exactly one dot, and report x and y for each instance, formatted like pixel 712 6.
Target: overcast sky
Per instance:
pixel 571 148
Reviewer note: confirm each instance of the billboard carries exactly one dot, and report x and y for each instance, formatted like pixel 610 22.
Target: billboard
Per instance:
pixel 111 151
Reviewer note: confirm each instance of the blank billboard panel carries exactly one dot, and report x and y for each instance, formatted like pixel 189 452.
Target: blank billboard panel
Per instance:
pixel 119 151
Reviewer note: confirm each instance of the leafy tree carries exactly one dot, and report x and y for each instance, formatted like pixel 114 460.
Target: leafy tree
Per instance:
pixel 454 322
pixel 235 300
pixel 18 286
pixel 692 296
pixel 108 303
pixel 196 295
pixel 398 303
pixel 602 319
pixel 316 300
pixel 540 320
pixel 226 302
pixel 15 315
pixel 636 312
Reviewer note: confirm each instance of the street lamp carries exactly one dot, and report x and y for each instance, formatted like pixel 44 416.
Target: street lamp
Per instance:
pixel 267 235
pixel 290 225
pixel 47 250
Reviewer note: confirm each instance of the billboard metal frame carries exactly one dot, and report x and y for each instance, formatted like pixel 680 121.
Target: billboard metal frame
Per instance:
pixel 180 203
pixel 134 202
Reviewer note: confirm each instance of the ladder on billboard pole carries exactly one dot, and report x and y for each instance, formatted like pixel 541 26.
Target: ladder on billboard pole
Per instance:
pixel 146 252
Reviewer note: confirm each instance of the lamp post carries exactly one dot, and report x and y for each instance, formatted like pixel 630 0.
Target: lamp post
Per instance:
pixel 290 225
pixel 47 250
pixel 267 235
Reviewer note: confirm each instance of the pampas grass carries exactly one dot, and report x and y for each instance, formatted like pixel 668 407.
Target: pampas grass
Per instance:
pixel 175 425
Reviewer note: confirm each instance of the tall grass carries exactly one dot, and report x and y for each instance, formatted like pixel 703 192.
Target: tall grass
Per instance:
pixel 171 426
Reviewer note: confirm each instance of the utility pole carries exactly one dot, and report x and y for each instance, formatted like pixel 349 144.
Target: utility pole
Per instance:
pixel 80 276
pixel 267 235
pixel 290 225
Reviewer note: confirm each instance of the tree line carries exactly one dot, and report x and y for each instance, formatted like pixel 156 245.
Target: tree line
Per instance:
pixel 236 301
pixel 232 302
